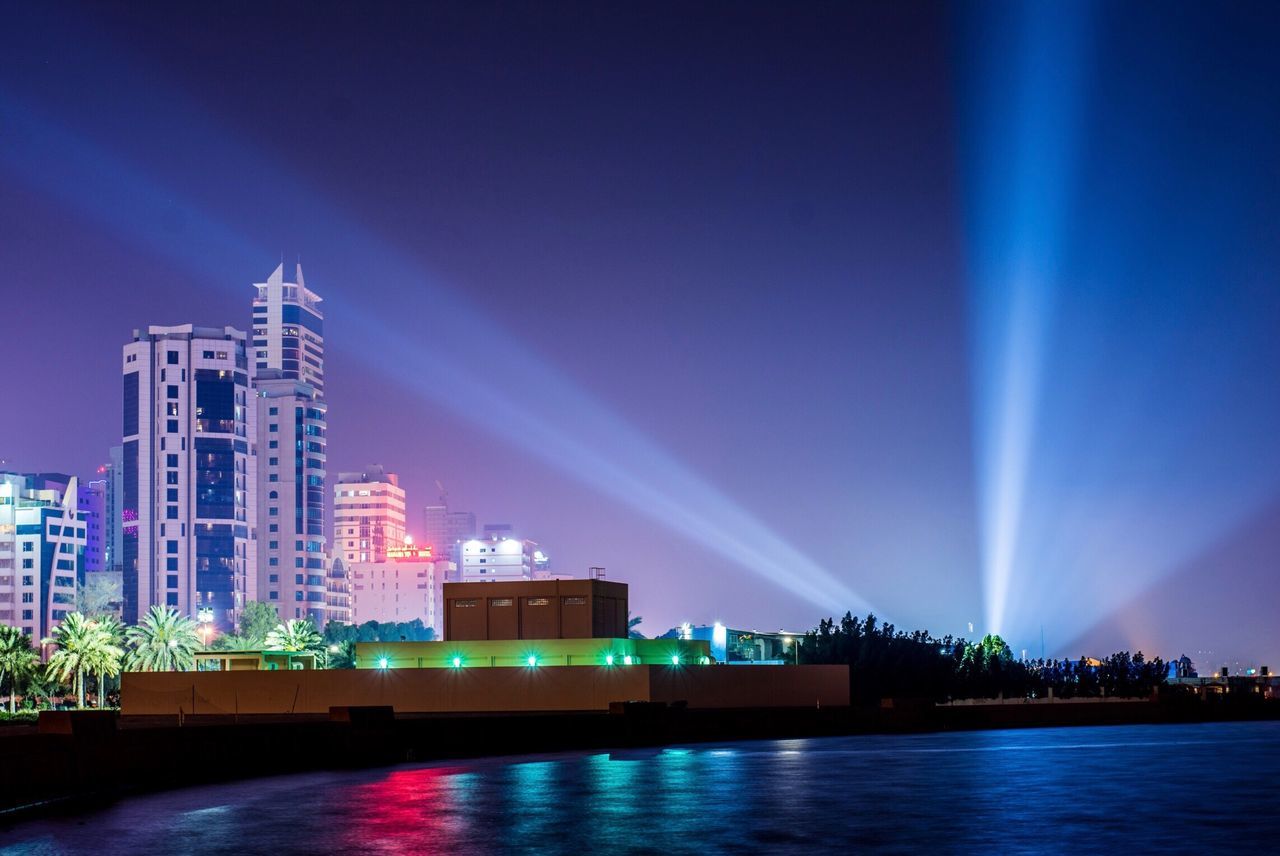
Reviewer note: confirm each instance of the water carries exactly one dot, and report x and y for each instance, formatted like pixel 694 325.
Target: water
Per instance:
pixel 1190 789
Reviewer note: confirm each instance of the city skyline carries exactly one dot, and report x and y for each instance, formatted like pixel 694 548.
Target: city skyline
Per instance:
pixel 767 335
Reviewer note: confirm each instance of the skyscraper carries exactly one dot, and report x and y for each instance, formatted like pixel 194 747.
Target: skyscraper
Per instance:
pixel 288 329
pixel 294 568
pixel 292 556
pixel 92 501
pixel 189 492
pixel 368 515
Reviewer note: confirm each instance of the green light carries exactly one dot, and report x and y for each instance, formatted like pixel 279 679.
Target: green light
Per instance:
pixel 457 662
pixel 626 660
pixel 608 660
pixel 675 659
pixel 532 661
pixel 382 662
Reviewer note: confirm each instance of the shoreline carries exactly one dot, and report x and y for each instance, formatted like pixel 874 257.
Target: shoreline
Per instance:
pixel 97 760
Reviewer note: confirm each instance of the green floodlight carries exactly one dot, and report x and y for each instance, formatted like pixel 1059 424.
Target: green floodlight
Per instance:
pixel 532 661
pixel 457 662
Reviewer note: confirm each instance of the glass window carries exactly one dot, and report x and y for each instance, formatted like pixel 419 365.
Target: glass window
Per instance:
pixel 171 460
pixel 171 391
pixel 172 358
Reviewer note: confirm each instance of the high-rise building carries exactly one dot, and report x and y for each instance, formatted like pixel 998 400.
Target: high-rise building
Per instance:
pixel 42 538
pixel 293 560
pixel 92 501
pixel 368 515
pixel 288 329
pixel 189 489
pixel 113 529
pixel 446 530
pixel 295 571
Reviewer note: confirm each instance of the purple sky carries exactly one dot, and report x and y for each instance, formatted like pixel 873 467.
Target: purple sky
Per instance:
pixel 741 230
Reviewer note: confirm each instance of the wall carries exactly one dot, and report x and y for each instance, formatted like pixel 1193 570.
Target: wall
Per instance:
pixel 481 690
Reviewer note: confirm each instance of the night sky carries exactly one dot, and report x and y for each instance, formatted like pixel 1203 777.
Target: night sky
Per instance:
pixel 690 291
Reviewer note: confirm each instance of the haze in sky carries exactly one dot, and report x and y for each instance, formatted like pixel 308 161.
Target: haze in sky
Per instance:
pixel 964 314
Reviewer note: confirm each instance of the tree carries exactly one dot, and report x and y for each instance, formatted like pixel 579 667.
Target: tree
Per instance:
pixel 164 641
pixel 295 635
pixel 83 645
pixel 344 657
pixel 100 595
pixel 257 619
pixel 112 656
pixel 18 660
pixel 632 624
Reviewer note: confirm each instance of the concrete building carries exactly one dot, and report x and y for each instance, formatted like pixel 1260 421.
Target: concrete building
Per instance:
pixel 113 527
pixel 446 530
pixel 92 501
pixel 368 515
pixel 288 329
pixel 189 487
pixel 743 647
pixel 293 561
pixel 42 540
pixel 408 585
pixel 338 592
pixel 497 556
pixel 541 609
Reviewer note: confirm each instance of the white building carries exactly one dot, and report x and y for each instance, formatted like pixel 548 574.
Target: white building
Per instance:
pixel 42 540
pixel 293 561
pixel 189 488
pixel 288 329
pixel 408 585
pixel 497 558
pixel 368 515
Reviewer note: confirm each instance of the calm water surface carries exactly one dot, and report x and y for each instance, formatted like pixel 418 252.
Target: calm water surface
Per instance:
pixel 1133 789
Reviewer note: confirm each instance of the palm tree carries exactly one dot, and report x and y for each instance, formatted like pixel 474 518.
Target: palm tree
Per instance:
pixel 111 657
pixel 17 660
pixel 296 635
pixel 632 624
pixel 163 641
pixel 83 646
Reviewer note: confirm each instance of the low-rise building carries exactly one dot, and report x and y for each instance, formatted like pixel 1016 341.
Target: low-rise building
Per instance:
pixel 408 585
pixel 536 609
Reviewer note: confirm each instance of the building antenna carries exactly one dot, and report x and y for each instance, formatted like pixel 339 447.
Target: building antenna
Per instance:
pixel 1041 641
pixel 444 494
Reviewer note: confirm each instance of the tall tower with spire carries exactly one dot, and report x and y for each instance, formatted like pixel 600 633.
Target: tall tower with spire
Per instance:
pixel 288 329
pixel 288 360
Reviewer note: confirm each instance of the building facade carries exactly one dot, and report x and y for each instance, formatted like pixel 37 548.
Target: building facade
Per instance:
pixel 497 557
pixel 42 540
pixel 188 497
pixel 92 500
pixel 293 562
pixel 113 526
pixel 445 530
pixel 368 515
pixel 408 585
pixel 541 609
pixel 288 329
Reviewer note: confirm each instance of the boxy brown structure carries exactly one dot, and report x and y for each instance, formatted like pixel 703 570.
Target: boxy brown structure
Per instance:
pixel 535 609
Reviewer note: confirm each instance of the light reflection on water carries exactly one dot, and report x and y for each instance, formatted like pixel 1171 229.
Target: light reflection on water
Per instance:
pixel 1172 788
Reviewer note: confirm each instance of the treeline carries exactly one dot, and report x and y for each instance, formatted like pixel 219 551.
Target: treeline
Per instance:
pixel 885 662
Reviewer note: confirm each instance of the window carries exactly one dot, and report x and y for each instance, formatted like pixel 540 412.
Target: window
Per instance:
pixel 465 603
pixel 273 444
pixel 172 358
pixel 171 564
pixel 26 546
pixel 171 547
pixel 26 616
pixel 575 601
pixel 273 561
pixel 273 411
pixel 538 601
pixel 172 426
pixel 273 477
pixel 222 355
pixel 275 595
pixel 28 597
pixel 273 427
pixel 297 595
pixel 273 462
pixel 273 512
pixel 171 513
pixel 171 460
pixel 27 581
pixel 172 495
pixel 208 355
pixel 171 477
pixel 172 581
pixel 171 391
pixel 171 598
pixel 273 578
pixel 27 565
pixel 274 527
pixel 500 601
pixel 273 545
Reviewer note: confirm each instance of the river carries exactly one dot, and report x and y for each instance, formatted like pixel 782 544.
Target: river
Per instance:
pixel 1184 788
